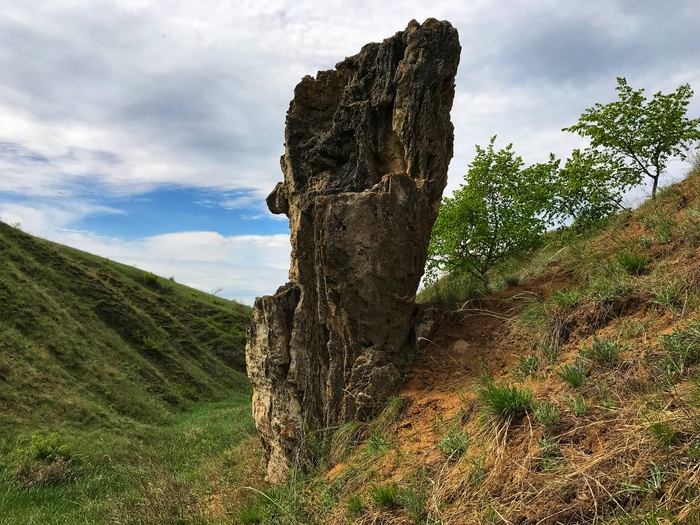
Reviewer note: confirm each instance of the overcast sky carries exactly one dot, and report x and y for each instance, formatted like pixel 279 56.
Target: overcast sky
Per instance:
pixel 150 131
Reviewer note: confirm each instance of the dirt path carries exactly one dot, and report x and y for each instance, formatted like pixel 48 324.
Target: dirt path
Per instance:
pixel 467 344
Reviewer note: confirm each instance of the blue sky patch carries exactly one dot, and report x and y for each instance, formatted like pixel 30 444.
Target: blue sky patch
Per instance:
pixel 184 209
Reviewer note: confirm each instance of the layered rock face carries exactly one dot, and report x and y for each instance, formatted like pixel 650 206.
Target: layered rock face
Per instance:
pixel 367 150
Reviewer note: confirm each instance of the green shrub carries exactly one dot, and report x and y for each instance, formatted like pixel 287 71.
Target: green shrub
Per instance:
pixel 574 375
pixel 41 460
pixel 150 279
pixel 603 350
pixel 632 263
pixel 503 400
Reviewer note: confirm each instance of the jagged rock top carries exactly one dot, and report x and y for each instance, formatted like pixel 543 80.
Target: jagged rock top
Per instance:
pixel 385 110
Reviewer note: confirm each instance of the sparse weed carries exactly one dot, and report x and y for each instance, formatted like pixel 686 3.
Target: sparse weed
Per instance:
pixel 566 298
pixel 631 328
pixel 550 454
pixel 385 495
pixel 673 296
pixel 632 263
pixel 574 375
pixel 653 482
pixel 413 498
pixel 665 434
pixel 378 443
pixel 603 350
pixel 645 242
pixel 548 414
pixel 549 351
pixel 454 443
pixel 577 405
pixel 682 349
pixel 609 288
pixel 527 365
pixel 356 506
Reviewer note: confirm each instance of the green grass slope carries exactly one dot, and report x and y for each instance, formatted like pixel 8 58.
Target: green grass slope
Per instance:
pixel 121 393
pixel 87 340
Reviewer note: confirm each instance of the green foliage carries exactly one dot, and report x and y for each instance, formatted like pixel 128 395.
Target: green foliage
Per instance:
pixel 603 350
pixel 385 495
pixel 550 457
pixel 587 190
pixel 505 401
pixel 682 350
pixel 547 413
pixel 574 375
pixel 150 279
pixel 454 443
pixel 44 448
pixel 501 210
pixel 640 136
pixel 41 460
pixel 566 298
pixel 632 263
pixel 665 434
pixel 577 405
pixel 355 505
pixel 452 290
pixel 527 365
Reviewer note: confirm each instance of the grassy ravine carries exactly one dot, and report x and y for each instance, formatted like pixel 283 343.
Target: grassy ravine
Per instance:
pixel 581 403
pixel 112 382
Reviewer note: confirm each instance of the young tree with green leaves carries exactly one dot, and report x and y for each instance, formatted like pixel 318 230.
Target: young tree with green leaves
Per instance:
pixel 501 209
pixel 589 188
pixel 639 134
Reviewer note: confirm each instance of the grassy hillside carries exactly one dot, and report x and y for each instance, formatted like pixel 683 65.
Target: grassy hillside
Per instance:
pixel 102 367
pixel 570 393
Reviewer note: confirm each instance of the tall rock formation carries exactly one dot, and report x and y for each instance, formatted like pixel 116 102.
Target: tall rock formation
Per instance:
pixel 367 150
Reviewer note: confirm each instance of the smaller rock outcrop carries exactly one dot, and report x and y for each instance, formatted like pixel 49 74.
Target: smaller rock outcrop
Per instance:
pixel 366 155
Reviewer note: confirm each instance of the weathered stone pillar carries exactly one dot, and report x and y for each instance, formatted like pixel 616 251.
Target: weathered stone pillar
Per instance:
pixel 367 150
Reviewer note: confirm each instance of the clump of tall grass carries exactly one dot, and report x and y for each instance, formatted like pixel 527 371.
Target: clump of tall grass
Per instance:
pixel 503 400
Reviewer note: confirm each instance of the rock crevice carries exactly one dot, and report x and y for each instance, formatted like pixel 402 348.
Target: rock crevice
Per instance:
pixel 367 147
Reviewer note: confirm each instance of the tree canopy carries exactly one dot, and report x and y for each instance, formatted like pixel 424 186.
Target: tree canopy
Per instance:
pixel 501 209
pixel 641 135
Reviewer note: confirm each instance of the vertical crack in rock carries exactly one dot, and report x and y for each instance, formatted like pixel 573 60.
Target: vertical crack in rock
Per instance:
pixel 366 155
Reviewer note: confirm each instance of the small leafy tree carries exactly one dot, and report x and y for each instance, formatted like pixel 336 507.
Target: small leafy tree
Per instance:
pixel 501 209
pixel 641 135
pixel 590 187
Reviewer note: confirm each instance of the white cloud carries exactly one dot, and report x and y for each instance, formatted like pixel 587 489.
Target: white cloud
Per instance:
pixel 124 97
pixel 243 267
